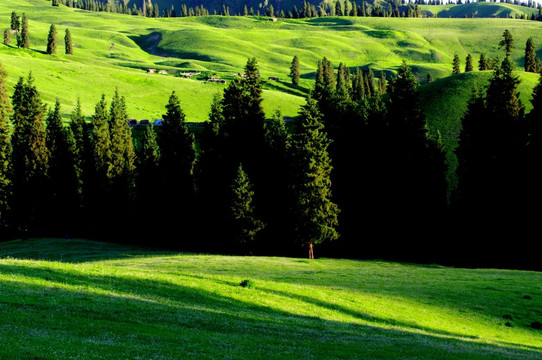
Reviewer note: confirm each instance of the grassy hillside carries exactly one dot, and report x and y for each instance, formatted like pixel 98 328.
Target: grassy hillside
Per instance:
pixel 113 50
pixel 479 10
pixel 83 300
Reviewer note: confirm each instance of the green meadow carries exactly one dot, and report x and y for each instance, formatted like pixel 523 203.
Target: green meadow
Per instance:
pixel 114 51
pixel 480 10
pixel 76 299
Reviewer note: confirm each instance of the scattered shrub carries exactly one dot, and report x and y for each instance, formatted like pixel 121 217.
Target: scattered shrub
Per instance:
pixel 247 284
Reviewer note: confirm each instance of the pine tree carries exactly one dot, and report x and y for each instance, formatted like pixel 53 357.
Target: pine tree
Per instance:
pixel 122 149
pixel 51 40
pixel 457 65
pixel 382 84
pixel 5 147
pixel 294 70
pixel 101 146
pixel 81 148
pixel 358 85
pixel 55 3
pixel 370 84
pixel 483 63
pixel 23 39
pixel 507 43
pixel 316 215
pixel 338 8
pixel 30 155
pixel 342 91
pixel 63 184
pixel 530 56
pixel 68 43
pixel 177 162
pixel 15 22
pixel 468 63
pixel 245 224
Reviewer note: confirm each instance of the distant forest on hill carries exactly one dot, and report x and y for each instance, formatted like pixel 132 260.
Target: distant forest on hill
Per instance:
pixel 293 9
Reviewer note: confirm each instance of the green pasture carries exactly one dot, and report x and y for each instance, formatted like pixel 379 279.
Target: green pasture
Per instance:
pixel 76 299
pixel 479 10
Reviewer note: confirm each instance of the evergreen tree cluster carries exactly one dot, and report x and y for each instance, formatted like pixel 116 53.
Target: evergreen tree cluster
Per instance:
pixel 357 166
pixel 389 8
pixel 20 29
pixel 498 156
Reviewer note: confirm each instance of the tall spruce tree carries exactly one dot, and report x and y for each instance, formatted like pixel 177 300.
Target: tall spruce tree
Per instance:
pixel 30 156
pixel 315 213
pixel 294 70
pixel 468 63
pixel 507 42
pixel 51 40
pixel 63 186
pixel 81 148
pixel 177 164
pixel 23 40
pixel 530 56
pixel 101 144
pixel 483 63
pixel 5 148
pixel 456 65
pixel 15 22
pixel 68 46
pixel 245 224
pixel 7 37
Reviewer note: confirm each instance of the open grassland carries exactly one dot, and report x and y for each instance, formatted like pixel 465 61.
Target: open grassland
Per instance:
pixel 114 51
pixel 480 10
pixel 75 299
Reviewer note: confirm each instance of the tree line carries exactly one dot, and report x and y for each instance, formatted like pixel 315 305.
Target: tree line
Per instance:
pixel 392 8
pixel 355 167
pixel 531 62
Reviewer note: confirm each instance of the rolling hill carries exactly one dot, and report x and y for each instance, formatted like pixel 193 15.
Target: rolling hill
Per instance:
pixel 115 51
pixel 480 10
pixel 77 299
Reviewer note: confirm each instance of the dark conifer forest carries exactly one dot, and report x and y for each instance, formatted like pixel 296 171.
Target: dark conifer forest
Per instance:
pixel 354 175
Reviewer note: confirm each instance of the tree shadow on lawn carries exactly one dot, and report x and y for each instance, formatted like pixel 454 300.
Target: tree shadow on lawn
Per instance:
pixel 248 327
pixel 75 250
pixel 468 301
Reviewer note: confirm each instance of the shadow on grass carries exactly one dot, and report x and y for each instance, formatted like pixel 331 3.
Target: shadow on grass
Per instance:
pixel 75 250
pixel 287 87
pixel 121 306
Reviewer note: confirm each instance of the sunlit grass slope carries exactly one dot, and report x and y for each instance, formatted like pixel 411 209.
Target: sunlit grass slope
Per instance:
pixel 114 51
pixel 74 299
pixel 480 10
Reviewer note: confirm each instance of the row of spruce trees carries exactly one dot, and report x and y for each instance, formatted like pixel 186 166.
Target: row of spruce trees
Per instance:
pixel 391 8
pixel 359 170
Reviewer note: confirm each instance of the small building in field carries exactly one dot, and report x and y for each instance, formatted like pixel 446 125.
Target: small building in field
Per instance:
pixel 158 122
pixel 162 72
pixel 151 71
pixel 132 122
pixel 273 78
pixel 144 122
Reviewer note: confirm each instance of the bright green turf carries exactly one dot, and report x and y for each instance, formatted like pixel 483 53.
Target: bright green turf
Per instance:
pixel 86 300
pixel 113 50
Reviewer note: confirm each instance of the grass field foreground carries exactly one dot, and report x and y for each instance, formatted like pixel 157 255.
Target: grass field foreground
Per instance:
pixel 76 299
